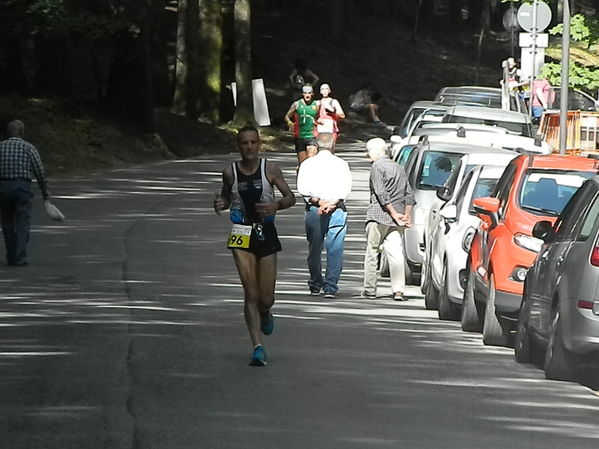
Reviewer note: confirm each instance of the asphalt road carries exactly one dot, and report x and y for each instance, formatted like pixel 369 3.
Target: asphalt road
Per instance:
pixel 126 331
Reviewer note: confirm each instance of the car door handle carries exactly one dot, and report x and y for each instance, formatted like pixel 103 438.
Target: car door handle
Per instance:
pixel 559 260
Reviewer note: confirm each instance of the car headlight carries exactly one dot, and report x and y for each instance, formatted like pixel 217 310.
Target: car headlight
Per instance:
pixel 528 242
pixel 468 237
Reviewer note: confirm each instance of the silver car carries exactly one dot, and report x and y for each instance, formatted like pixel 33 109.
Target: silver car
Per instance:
pixel 515 122
pixel 428 167
pixel 559 315
pixel 450 237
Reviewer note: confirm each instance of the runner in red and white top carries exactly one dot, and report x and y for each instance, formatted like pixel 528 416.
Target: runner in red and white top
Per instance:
pixel 330 112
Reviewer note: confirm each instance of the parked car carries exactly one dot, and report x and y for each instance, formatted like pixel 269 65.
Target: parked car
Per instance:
pixel 415 110
pixel 577 100
pixel 478 96
pixel 515 122
pixel 450 235
pixel 532 188
pixel 559 315
pixel 428 167
pixel 473 134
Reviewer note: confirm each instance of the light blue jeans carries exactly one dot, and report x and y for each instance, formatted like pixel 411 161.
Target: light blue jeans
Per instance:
pixel 325 230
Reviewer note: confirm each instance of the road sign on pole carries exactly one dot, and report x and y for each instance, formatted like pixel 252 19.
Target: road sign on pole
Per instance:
pixel 527 17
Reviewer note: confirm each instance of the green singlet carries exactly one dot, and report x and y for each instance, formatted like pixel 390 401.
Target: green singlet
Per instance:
pixel 306 114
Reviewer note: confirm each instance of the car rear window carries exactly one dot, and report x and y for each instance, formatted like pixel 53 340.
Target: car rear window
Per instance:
pixel 520 129
pixel 547 192
pixel 435 168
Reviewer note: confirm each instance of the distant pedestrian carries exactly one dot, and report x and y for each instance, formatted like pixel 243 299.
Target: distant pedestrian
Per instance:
pixel 324 181
pixel 388 214
pixel 20 162
pixel 301 120
pixel 302 75
pixel 541 97
pixel 330 112
pixel 367 101
pixel 248 192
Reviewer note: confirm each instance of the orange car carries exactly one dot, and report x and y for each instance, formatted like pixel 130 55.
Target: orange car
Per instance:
pixel 532 188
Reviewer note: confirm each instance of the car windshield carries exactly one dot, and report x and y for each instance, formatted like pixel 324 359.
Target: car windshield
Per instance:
pixel 435 168
pixel 520 129
pixel 547 192
pixel 409 119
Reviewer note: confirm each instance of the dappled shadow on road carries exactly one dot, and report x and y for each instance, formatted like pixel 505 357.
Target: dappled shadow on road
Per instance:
pixel 131 312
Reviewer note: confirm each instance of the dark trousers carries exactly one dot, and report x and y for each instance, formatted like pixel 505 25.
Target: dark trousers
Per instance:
pixel 15 214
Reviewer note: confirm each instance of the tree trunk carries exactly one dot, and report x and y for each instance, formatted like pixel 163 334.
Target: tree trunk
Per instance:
pixel 211 38
pixel 485 19
pixel 243 63
pixel 144 95
pixel 187 80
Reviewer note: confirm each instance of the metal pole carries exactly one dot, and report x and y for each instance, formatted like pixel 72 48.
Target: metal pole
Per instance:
pixel 513 23
pixel 534 53
pixel 563 106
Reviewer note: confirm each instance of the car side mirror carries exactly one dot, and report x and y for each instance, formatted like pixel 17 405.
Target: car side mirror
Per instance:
pixel 487 207
pixel 449 212
pixel 543 230
pixel 443 193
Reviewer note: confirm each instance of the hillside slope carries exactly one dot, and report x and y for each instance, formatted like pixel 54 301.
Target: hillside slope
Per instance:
pixel 72 137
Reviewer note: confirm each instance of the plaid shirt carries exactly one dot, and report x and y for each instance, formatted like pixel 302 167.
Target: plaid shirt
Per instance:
pixel 388 185
pixel 20 160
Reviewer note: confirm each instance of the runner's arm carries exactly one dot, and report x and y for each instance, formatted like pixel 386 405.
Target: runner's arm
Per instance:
pixel 338 109
pixel 223 201
pixel 274 174
pixel 290 113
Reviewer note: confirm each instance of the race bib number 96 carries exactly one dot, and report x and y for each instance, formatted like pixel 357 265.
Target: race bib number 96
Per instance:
pixel 239 236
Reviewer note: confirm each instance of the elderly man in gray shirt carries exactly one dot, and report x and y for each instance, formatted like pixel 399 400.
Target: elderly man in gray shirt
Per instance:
pixel 389 213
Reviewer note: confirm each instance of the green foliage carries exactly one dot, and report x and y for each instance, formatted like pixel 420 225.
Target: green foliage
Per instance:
pixel 582 29
pixel 580 77
pixel 75 20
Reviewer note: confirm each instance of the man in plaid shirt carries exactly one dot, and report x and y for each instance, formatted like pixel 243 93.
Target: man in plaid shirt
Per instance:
pixel 19 164
pixel 389 213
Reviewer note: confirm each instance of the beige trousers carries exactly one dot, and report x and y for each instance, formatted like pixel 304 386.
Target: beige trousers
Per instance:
pixel 391 239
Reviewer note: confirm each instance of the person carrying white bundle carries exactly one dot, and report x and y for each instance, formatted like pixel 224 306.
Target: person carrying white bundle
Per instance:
pixel 20 162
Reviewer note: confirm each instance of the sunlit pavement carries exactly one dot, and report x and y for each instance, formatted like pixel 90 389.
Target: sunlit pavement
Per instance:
pixel 126 331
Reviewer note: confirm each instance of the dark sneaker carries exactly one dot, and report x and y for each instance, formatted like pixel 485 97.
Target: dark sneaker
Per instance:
pixel 398 296
pixel 314 291
pixel 330 295
pixel 258 356
pixel 368 295
pixel 267 322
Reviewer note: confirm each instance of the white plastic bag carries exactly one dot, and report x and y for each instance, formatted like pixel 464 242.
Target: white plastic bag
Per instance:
pixel 53 212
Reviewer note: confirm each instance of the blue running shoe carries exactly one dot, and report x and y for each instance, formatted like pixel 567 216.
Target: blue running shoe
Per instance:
pixel 258 356
pixel 267 322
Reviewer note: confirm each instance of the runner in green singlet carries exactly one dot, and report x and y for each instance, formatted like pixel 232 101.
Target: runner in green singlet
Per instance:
pixel 301 120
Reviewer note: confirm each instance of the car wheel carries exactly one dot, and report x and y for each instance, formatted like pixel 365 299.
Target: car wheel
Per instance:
pixel 470 318
pixel 523 347
pixel 424 276
pixel 431 297
pixel 559 363
pixel 447 311
pixel 494 334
